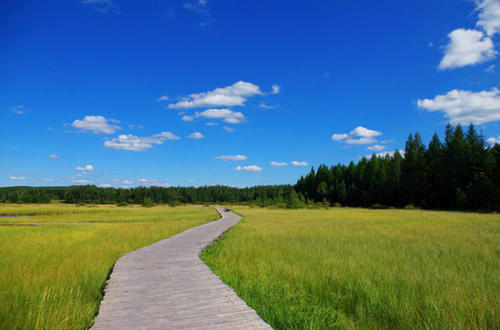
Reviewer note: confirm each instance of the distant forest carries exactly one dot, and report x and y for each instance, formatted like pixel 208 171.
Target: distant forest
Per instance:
pixel 461 172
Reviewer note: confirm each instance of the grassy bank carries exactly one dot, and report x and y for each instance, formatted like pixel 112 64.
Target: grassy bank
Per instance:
pixel 51 277
pixel 357 268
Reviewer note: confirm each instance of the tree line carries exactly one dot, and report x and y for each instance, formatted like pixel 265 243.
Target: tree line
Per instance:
pixel 462 172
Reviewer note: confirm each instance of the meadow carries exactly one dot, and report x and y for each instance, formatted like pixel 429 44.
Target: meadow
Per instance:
pixel 361 268
pixel 52 277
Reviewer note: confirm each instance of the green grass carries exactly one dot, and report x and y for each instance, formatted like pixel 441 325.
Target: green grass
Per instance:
pixel 358 268
pixel 51 277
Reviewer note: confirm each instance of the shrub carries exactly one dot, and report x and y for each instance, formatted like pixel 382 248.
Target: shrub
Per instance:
pixel 148 202
pixel 337 204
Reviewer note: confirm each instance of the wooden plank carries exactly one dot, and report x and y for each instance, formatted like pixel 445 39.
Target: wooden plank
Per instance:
pixel 166 286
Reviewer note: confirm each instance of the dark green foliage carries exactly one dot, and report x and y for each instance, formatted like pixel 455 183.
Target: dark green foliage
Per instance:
pixel 461 173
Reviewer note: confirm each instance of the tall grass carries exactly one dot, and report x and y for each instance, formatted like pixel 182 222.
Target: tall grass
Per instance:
pixel 52 277
pixel 357 268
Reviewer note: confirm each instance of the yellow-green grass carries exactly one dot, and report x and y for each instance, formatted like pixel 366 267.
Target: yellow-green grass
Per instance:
pixel 29 213
pixel 358 268
pixel 51 277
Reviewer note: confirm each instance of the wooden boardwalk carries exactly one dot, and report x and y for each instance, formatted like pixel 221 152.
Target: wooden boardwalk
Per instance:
pixel 166 286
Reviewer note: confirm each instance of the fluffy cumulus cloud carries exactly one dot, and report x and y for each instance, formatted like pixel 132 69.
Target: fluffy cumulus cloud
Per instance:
pixel 96 124
pixel 138 143
pixel 196 136
pixel 231 157
pixel 467 47
pixel 226 115
pixel 234 95
pixel 105 185
pixel 278 164
pixel 297 163
pixel 162 98
pixel 489 16
pixel 359 135
pixel 18 178
pixel 86 168
pixel 465 107
pixel 53 156
pixel 276 89
pixel 249 168
pixel 494 140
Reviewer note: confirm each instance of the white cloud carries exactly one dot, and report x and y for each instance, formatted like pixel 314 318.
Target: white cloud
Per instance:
pixel 233 157
pixel 211 123
pixel 359 135
pixel 386 153
pixel 276 89
pixel 493 140
pixel 467 47
pixel 227 115
pixel 105 185
pixel 364 132
pixel 196 135
pixel 53 156
pixel 48 180
pixel 81 181
pixel 278 164
pixel 233 95
pixel 137 143
pixel 297 163
pixel 152 183
pixel 87 168
pixel 162 98
pixel 228 129
pixel 96 124
pixel 376 147
pixel 265 106
pixel 489 16
pixel 127 182
pixel 465 107
pixel 249 168
pixel 20 178
pixel 338 137
pixel 19 109
pixel 187 118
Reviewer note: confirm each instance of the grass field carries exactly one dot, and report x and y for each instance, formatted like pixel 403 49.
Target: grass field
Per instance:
pixel 358 268
pixel 51 277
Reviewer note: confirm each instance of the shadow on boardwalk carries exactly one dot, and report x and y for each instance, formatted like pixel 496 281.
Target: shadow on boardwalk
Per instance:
pixel 166 286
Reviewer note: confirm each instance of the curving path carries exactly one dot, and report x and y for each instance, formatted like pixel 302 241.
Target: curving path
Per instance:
pixel 166 286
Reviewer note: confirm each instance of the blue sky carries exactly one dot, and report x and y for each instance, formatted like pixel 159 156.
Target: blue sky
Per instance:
pixel 125 93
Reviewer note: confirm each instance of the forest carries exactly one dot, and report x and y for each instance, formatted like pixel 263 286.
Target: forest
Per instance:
pixel 462 172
